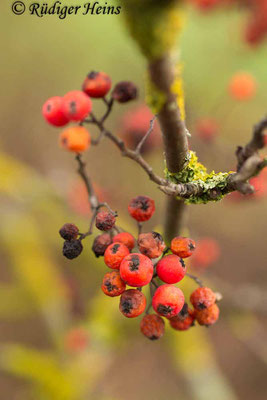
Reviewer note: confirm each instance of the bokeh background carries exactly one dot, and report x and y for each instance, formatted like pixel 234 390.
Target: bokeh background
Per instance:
pixel 61 338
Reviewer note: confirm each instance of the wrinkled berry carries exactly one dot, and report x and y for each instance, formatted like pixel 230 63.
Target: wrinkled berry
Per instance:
pixel 202 297
pixel 124 92
pixel 132 303
pixel 72 248
pixel 141 208
pixel 101 243
pixel 152 326
pixel 151 244
pixel 69 231
pixel 112 284
pixel 105 221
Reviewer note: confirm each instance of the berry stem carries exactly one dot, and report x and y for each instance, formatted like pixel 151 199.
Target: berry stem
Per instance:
pixel 196 279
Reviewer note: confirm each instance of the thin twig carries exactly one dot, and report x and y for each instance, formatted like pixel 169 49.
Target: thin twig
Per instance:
pixel 196 279
pixel 146 136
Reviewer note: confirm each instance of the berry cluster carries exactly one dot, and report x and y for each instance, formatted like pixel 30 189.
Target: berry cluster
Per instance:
pixel 76 106
pixel 148 261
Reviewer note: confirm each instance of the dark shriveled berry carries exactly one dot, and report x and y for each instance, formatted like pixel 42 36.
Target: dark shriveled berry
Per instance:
pixel 69 231
pixel 72 249
pixel 101 243
pixel 132 303
pixel 124 91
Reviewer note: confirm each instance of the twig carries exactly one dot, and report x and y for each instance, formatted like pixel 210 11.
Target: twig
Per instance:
pixel 196 279
pixel 146 136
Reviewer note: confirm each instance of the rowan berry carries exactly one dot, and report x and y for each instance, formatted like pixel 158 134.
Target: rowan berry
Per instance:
pixel 202 297
pixel 69 231
pixel 97 84
pixel 184 320
pixel 171 269
pixel 76 340
pixel 105 220
pixel 75 138
pixel 151 244
pixel 141 208
pixel 53 111
pixel 112 284
pixel 242 86
pixel 206 253
pixel 76 105
pixel 72 248
pixel 136 270
pixel 208 316
pixel 125 238
pixel 207 129
pixel 124 92
pixel 114 255
pixel 168 300
pixel 152 326
pixel 132 303
pixel 183 247
pixel 101 243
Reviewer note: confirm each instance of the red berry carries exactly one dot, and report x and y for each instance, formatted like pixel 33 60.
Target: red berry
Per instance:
pixel 132 303
pixel 141 208
pixel 151 244
pixel 125 238
pixel 105 220
pixel 97 84
pixel 171 269
pixel 208 316
pixel 53 111
pixel 182 247
pixel 168 300
pixel 76 105
pixel 136 270
pixel 101 243
pixel 202 297
pixel 184 320
pixel 114 255
pixel 152 326
pixel 76 139
pixel 112 284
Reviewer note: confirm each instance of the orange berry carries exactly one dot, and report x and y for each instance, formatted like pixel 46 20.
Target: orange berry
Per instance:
pixel 152 326
pixel 114 255
pixel 208 316
pixel 202 297
pixel 182 247
pixel 242 86
pixel 76 139
pixel 112 284
pixel 151 244
pixel 184 320
pixel 132 303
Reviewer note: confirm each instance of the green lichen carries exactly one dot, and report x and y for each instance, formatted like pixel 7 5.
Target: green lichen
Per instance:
pixel 155 99
pixel 195 172
pixel 154 24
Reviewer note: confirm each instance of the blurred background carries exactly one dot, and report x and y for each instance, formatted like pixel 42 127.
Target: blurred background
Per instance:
pixel 61 338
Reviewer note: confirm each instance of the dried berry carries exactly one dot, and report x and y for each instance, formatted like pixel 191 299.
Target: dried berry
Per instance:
pixel 132 303
pixel 114 255
pixel 202 297
pixel 151 244
pixel 152 326
pixel 76 139
pixel 171 269
pixel 101 243
pixel 168 300
pixel 105 221
pixel 72 248
pixel 136 270
pixel 112 284
pixel 141 208
pixel 184 320
pixel 125 238
pixel 182 247
pixel 208 316
pixel 124 92
pixel 69 231
pixel 97 84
